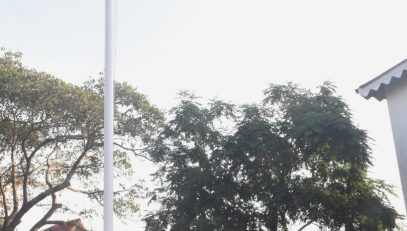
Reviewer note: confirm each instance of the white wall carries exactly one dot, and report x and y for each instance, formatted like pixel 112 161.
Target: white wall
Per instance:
pixel 397 104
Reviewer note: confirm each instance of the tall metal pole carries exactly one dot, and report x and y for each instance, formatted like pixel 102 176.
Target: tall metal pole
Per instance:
pixel 108 116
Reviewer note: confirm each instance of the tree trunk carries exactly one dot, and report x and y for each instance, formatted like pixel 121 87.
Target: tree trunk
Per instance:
pixel 273 223
pixel 305 225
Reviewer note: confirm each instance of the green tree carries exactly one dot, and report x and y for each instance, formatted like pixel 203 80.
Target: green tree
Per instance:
pixel 191 186
pixel 331 186
pixel 297 157
pixel 51 140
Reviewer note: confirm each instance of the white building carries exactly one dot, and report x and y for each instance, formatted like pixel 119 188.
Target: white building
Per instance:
pixel 392 85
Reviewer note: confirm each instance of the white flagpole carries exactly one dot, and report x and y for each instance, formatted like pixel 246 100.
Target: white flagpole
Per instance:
pixel 108 116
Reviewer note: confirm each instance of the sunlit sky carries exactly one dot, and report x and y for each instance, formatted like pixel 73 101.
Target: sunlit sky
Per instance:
pixel 230 49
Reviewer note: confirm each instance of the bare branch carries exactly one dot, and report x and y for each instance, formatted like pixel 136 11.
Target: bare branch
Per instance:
pixel 305 225
pixel 77 162
pixel 87 193
pixel 83 191
pixel 47 179
pixel 99 191
pixel 134 151
pixel 51 211
pixel 4 201
pixel 56 139
pixel 31 203
pixel 13 178
pixel 26 173
pixel 77 190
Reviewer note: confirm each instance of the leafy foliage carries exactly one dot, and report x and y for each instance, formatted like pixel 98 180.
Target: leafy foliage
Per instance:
pixel 51 140
pixel 297 157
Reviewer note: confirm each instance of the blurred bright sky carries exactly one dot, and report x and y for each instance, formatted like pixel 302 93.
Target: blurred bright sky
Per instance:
pixel 231 49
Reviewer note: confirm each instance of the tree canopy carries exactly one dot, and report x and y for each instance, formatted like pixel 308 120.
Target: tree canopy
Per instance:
pixel 295 157
pixel 51 140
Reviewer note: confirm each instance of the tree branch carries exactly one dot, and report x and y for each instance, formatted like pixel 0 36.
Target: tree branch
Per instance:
pixel 31 203
pixel 77 162
pixel 13 178
pixel 305 225
pixel 77 190
pixel 134 151
pixel 47 179
pixel 51 211
pixel 26 173
pixel 4 201
pixel 87 193
pixel 55 139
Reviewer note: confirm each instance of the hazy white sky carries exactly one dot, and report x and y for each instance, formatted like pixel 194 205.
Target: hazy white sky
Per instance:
pixel 227 48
